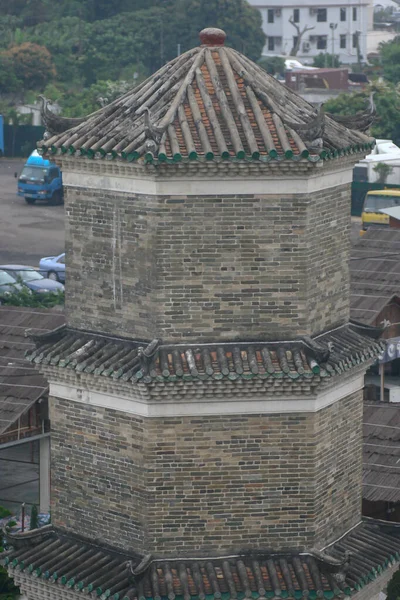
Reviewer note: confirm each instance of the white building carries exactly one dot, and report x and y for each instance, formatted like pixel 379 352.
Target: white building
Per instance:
pixel 336 25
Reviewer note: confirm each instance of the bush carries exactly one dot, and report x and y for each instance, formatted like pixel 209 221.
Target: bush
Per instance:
pixel 8 591
pixel 24 297
pixel 393 588
pixel 4 512
pixel 11 523
pixel 34 524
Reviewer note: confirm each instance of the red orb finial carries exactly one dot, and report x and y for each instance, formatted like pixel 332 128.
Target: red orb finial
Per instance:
pixel 211 36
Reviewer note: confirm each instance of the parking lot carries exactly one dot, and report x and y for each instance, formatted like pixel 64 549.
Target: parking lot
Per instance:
pixel 27 233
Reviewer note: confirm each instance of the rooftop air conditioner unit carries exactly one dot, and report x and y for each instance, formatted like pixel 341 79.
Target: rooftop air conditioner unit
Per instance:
pixel 306 47
pixel 313 11
pixel 278 12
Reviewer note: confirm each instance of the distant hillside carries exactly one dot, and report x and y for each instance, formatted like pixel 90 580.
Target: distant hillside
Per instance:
pixel 84 52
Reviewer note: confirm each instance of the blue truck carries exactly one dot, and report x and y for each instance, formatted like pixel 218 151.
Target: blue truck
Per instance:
pixel 40 179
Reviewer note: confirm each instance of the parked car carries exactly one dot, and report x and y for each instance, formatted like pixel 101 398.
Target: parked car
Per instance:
pixel 32 278
pixel 8 285
pixel 53 267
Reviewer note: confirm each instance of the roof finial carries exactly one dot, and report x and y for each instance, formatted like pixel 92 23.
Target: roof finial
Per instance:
pixel 211 36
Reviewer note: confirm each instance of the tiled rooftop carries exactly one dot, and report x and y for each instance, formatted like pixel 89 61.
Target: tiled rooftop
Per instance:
pixel 128 360
pixel 210 103
pixel 20 384
pixel 81 565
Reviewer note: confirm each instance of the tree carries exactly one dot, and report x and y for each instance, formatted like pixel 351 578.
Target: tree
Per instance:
pixel 242 23
pixel 34 523
pixel 9 82
pixel 33 64
pixel 8 590
pixel 390 59
pixel 383 170
pixel 387 101
pixel 274 65
pixel 299 36
pixel 324 59
pixel 393 588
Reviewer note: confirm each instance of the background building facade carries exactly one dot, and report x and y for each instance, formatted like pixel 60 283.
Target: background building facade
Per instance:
pixel 338 27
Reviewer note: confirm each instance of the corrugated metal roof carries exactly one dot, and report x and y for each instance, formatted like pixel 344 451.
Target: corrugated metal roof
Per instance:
pixel 375 272
pixel 393 211
pixel 20 384
pixel 381 451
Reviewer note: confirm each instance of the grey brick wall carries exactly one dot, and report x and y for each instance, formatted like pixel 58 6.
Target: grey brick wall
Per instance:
pixel 179 485
pixel 184 268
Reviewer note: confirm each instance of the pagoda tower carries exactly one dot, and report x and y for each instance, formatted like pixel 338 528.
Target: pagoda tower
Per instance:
pixel 206 391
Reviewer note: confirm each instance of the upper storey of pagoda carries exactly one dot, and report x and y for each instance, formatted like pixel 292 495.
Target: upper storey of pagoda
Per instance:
pixel 210 103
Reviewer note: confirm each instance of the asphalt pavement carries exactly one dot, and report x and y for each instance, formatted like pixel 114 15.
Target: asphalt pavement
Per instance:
pixel 27 232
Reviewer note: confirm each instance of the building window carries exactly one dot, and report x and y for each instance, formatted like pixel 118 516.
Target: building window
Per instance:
pixel 271 43
pixel 296 15
pixel 354 13
pixel 271 16
pixel 343 14
pixel 343 41
pixel 295 40
pixel 355 40
pixel 322 42
pixel 322 15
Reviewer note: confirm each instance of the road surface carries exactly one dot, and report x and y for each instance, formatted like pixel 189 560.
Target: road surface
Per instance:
pixel 27 233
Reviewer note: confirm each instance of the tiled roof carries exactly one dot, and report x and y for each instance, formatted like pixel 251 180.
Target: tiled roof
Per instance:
pixel 381 452
pixel 81 565
pixel 375 272
pixel 20 384
pixel 129 360
pixel 210 103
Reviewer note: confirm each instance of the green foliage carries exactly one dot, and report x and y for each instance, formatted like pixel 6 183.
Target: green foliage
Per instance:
pixel 387 101
pixel 24 297
pixel 393 588
pixel 11 523
pixel 390 60
pixel 32 64
pixel 383 170
pixel 9 81
pixel 384 15
pixel 76 44
pixel 83 102
pixel 8 591
pixel 34 522
pixel 274 65
pixel 325 60
pixel 4 512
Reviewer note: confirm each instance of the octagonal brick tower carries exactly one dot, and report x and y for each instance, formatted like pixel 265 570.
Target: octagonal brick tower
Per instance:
pixel 206 393
pixel 230 185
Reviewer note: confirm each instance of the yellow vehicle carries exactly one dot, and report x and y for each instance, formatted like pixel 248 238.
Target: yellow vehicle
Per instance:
pixel 374 201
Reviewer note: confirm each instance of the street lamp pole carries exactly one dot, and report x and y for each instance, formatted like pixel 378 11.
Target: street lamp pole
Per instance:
pixel 333 27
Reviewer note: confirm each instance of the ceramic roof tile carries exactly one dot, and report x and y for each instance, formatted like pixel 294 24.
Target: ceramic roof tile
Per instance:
pixel 81 565
pixel 129 360
pixel 210 103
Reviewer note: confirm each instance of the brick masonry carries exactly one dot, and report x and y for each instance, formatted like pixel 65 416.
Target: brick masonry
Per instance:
pixel 207 484
pixel 207 267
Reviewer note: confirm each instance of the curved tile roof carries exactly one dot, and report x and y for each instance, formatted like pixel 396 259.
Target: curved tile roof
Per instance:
pixel 209 103
pixel 79 565
pixel 127 360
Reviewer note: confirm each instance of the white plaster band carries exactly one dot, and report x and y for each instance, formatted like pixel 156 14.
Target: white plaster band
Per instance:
pixel 217 185
pixel 206 407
